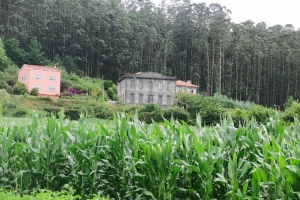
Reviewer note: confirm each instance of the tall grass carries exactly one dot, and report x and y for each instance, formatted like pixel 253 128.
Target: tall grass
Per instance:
pixel 127 159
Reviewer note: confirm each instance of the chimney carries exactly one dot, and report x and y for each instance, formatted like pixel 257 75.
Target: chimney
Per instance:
pixel 188 81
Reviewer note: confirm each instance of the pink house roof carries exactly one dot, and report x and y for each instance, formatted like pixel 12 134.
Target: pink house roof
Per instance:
pixel 31 66
pixel 185 84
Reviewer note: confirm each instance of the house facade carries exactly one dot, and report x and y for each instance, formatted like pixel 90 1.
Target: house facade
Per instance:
pixel 147 87
pixel 46 79
pixel 186 87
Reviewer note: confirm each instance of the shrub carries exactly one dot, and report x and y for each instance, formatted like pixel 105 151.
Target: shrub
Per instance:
pixel 149 108
pixel 292 112
pixel 223 100
pixel 107 84
pixel 211 112
pixel 239 116
pixel 230 103
pixel 34 92
pixel 4 85
pixel 10 83
pixel 0 110
pixel 177 113
pixel 146 117
pixel 209 109
pixel 149 112
pixel 288 103
pixel 9 107
pixel 101 112
pixel 112 93
pixel 20 88
pixel 47 99
pixel 260 113
pixel 4 96
pixel 20 112
pixel 131 110
pixel 53 110
pixel 65 84
pixel 72 114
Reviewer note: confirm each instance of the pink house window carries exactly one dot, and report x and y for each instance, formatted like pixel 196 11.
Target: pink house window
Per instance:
pixel 52 78
pixel 51 88
pixel 37 76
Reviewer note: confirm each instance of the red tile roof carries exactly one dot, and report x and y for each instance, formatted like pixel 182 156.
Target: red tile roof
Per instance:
pixel 185 84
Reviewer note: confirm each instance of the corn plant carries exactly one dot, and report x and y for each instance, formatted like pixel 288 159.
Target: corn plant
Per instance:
pixel 128 159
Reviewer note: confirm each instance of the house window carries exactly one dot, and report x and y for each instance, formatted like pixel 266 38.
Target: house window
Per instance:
pixel 51 88
pixel 150 98
pixel 160 84
pixel 132 84
pixel 23 78
pixel 38 76
pixel 140 98
pixel 52 78
pixel 44 68
pixel 141 84
pixel 39 87
pixel 169 86
pixel 35 68
pixel 179 89
pixel 168 100
pixel 131 98
pixel 150 85
pixel 192 91
pixel 160 99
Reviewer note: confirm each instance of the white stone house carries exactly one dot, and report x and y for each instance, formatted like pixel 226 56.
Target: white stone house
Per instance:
pixel 147 87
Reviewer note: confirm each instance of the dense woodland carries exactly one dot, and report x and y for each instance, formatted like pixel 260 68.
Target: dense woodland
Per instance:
pixel 192 41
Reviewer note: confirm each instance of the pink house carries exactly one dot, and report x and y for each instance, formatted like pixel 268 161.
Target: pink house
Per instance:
pixel 46 79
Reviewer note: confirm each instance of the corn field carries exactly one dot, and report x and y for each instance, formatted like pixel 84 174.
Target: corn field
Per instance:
pixel 127 159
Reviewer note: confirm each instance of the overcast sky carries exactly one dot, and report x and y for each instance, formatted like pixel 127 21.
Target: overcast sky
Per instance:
pixel 272 12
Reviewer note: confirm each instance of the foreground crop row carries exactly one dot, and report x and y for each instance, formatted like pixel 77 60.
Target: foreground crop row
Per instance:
pixel 127 159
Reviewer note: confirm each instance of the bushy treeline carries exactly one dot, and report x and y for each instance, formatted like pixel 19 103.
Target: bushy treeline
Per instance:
pixel 186 108
pixel 213 109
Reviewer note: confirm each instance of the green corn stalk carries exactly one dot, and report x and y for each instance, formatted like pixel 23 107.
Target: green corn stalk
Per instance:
pixel 128 159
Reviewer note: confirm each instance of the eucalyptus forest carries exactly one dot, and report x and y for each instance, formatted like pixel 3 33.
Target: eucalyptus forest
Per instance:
pixel 193 41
